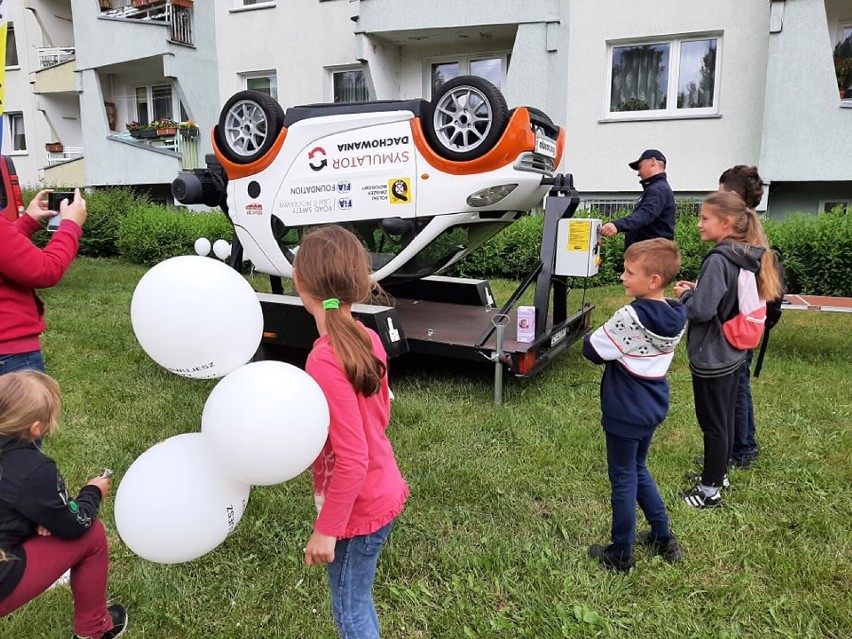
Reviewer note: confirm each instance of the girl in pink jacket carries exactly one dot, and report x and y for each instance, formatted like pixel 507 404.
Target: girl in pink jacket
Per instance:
pixel 358 488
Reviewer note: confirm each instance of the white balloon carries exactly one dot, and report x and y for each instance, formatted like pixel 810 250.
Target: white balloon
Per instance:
pixel 196 317
pixel 222 249
pixel 202 246
pixel 175 504
pixel 266 422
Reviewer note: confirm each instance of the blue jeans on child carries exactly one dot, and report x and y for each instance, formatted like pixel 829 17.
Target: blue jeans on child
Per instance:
pixel 21 361
pixel 631 484
pixel 744 444
pixel 350 577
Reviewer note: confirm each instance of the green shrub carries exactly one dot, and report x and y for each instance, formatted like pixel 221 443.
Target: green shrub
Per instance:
pixel 151 234
pixel 815 251
pixel 105 209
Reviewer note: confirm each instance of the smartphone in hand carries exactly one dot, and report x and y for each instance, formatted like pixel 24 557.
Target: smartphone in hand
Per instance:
pixel 53 201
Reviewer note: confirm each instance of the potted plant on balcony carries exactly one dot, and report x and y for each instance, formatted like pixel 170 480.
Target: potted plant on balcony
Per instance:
pixel 188 129
pixel 165 127
pixel 148 131
pixel 843 67
pixel 54 147
pixel 135 129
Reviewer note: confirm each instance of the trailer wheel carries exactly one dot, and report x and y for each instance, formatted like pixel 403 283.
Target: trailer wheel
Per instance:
pixel 468 116
pixel 248 126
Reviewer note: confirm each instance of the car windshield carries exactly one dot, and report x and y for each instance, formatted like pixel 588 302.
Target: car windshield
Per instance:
pixel 383 246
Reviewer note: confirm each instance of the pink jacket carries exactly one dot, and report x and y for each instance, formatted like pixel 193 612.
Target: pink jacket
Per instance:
pixel 23 268
pixel 357 485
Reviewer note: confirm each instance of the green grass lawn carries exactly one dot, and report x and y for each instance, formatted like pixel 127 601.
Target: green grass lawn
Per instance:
pixel 504 501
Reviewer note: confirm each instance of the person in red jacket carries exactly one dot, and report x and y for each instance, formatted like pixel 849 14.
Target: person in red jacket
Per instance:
pixel 24 267
pixel 358 489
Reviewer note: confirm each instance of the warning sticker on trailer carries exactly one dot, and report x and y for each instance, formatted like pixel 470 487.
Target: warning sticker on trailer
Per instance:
pixel 579 235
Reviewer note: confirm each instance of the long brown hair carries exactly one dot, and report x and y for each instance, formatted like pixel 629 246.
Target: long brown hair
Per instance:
pixel 746 227
pixel 332 263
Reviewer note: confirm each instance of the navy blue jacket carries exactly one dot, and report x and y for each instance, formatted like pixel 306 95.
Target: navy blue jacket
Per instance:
pixel 654 215
pixel 32 494
pixel 637 345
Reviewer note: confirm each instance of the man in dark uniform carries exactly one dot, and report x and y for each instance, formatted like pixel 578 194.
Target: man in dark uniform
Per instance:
pixel 654 215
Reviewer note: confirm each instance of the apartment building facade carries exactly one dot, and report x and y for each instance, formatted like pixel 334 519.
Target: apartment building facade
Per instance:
pixel 712 85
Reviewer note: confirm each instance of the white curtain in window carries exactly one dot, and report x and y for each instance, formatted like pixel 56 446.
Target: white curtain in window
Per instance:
pixel 639 77
pixel 350 86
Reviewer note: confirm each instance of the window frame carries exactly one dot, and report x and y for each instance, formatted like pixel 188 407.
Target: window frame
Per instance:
pixel 333 71
pixel 11 38
pixel 254 75
pixel 11 117
pixel 671 112
pixel 149 94
pixel 464 61
pixel 837 202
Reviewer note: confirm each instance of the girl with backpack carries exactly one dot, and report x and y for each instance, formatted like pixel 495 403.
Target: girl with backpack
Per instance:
pixel 711 301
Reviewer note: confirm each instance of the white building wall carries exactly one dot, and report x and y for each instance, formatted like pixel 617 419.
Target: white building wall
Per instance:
pixel 698 150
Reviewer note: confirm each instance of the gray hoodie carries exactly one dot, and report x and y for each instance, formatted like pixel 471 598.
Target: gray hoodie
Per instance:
pixel 714 301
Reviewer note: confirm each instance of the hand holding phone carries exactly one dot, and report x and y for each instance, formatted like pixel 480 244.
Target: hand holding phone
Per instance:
pixel 54 200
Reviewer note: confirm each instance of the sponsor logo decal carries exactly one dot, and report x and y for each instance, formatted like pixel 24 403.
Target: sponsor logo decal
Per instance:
pixel 313 188
pixel 344 187
pixel 316 159
pixel 344 203
pixel 254 209
pixel 376 192
pixel 372 144
pixel 399 190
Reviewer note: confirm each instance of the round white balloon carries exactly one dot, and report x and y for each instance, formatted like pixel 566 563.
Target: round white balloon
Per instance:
pixel 222 249
pixel 202 246
pixel 266 421
pixel 175 504
pixel 196 317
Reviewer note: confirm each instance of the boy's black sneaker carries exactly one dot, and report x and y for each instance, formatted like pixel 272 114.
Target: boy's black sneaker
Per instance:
pixel 697 499
pixel 610 559
pixel 668 549
pixel 118 614
pixel 744 461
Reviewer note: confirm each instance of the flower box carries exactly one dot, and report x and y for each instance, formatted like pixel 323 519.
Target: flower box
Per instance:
pixel 147 133
pixel 167 132
pixel 189 134
pixel 183 3
pixel 54 147
pixel 136 133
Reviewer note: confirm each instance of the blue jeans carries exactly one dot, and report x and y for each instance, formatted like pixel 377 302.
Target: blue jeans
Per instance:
pixel 350 577
pixel 21 361
pixel 631 484
pixel 744 444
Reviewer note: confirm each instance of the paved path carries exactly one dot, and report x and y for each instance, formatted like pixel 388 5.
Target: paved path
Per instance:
pixel 817 303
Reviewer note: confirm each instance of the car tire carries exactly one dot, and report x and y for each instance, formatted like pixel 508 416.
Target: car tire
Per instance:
pixel 249 124
pixel 467 116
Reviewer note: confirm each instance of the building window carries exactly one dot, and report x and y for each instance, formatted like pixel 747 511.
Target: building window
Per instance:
pixel 830 205
pixel 155 103
pixel 665 78
pixel 17 132
pixel 349 86
pixel 492 67
pixel 264 82
pixel 11 47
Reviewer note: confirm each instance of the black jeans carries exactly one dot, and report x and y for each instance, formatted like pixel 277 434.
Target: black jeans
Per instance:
pixel 715 403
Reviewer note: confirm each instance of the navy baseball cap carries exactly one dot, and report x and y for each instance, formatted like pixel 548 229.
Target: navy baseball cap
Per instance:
pixel 646 155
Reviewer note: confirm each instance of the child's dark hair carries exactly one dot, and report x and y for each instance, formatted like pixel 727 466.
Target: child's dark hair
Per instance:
pixel 746 227
pixel 27 397
pixel 656 257
pixel 332 263
pixel 744 180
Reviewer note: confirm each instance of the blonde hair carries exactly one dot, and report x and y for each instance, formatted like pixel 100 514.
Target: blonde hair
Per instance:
pixel 27 397
pixel 746 228
pixel 332 263
pixel 658 256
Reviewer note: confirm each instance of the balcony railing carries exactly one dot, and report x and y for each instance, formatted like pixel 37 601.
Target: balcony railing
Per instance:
pixel 51 56
pixel 177 13
pixel 67 153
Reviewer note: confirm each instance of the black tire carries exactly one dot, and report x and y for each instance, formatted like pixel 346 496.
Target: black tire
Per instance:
pixel 467 116
pixel 248 126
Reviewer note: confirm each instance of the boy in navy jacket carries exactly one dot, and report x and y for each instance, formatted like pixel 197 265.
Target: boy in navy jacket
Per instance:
pixel 637 345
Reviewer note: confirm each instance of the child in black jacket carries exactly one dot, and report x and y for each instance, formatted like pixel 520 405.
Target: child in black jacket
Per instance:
pixel 43 530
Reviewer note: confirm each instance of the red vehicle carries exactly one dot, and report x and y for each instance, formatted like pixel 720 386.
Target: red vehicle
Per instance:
pixel 11 200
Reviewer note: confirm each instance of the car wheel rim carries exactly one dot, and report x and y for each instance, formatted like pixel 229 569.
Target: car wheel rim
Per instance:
pixel 463 118
pixel 246 128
